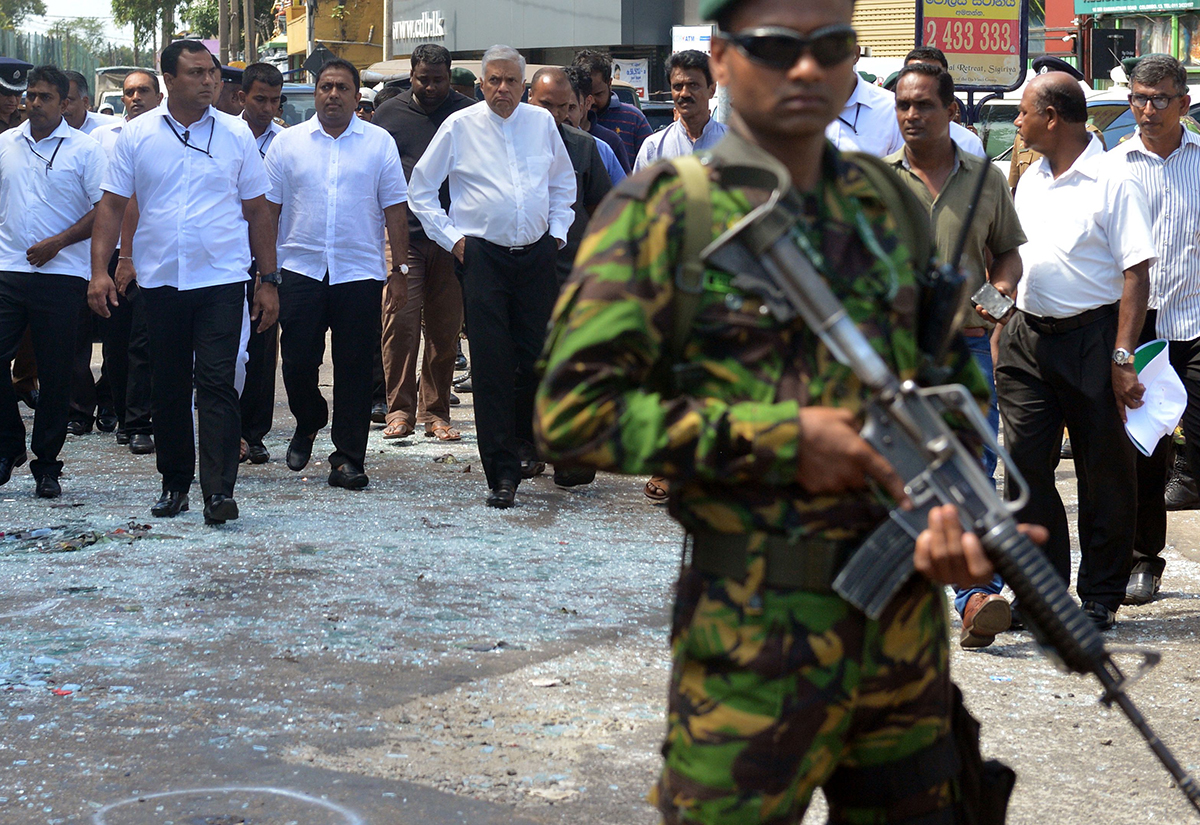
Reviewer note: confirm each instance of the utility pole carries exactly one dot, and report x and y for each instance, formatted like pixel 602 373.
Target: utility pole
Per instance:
pixel 388 45
pixel 310 13
pixel 235 27
pixel 251 29
pixel 223 31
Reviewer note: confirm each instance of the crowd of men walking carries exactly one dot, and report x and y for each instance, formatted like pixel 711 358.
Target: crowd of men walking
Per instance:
pixel 391 223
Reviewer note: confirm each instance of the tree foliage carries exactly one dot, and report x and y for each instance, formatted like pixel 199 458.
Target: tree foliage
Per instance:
pixel 86 31
pixel 14 12
pixel 142 15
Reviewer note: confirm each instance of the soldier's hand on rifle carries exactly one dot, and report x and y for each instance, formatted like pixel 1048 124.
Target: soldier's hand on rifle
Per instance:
pixel 946 554
pixel 835 459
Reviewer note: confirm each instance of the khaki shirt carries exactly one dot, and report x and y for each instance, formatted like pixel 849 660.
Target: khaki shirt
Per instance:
pixel 994 231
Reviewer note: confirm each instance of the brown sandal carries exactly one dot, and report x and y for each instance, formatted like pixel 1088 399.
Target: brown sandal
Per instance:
pixel 657 489
pixel 442 431
pixel 398 429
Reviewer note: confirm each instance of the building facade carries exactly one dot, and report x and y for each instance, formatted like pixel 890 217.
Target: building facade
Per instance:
pixel 1171 27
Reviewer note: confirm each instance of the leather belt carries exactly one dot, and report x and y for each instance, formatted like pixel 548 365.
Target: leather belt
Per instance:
pixel 514 250
pixel 1057 326
pixel 806 563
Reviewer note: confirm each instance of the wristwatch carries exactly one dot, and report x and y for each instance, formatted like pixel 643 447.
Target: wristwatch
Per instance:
pixel 401 268
pixel 1122 356
pixel 271 277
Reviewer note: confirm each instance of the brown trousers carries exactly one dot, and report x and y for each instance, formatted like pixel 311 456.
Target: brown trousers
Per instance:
pixel 434 297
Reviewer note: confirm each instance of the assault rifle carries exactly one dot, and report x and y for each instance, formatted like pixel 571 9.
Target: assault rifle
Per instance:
pixel 906 423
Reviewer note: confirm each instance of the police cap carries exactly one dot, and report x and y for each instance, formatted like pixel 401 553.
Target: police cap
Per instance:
pixel 13 75
pixel 1048 63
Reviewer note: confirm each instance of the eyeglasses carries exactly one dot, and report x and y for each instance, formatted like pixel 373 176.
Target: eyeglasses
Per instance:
pixel 1160 102
pixel 780 48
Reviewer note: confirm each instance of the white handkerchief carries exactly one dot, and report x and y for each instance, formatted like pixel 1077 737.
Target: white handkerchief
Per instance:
pixel 1164 401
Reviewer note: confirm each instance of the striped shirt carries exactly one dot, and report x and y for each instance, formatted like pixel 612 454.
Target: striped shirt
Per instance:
pixel 628 122
pixel 1173 195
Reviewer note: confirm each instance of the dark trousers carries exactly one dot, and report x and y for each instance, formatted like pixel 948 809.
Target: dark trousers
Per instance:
pixel 258 396
pixel 308 308
pixel 88 395
pixel 509 297
pixel 49 305
pixel 1153 471
pixel 1046 380
pixel 24 366
pixel 194 339
pixel 127 359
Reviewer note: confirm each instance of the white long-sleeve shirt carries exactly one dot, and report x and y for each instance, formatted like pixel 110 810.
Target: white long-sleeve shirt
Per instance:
pixel 511 180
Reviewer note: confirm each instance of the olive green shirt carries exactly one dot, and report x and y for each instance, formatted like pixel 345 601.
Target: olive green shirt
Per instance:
pixel 995 230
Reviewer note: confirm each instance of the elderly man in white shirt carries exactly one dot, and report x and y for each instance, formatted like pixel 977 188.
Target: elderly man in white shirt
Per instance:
pixel 200 186
pixel 867 122
pixel 512 188
pixel 1065 357
pixel 77 108
pixel 50 177
pixel 336 182
pixel 694 129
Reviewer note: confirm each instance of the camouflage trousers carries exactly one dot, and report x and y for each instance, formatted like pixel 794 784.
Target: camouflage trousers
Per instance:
pixel 774 691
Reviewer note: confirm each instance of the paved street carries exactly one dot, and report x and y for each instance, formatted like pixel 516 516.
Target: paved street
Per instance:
pixel 407 655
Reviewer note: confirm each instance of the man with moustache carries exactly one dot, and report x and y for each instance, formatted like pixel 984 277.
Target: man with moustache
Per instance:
pixel 511 194
pixel 778 685
pixel 694 129
pixel 329 173
pixel 423 298
pixel 50 178
pixel 77 108
pixel 125 333
pixel 200 186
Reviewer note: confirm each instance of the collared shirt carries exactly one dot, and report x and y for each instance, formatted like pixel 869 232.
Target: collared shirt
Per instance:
pixel 264 141
pixel 1172 187
pixel 413 128
pixel 46 186
pixel 628 122
pixel 867 122
pixel 333 192
pixel 106 136
pixel 1085 228
pixel 612 164
pixel 511 180
pixel 94 120
pixel 995 228
pixel 674 141
pixel 966 140
pixel 191 233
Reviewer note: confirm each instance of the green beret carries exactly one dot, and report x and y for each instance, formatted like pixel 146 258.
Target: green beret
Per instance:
pixel 712 9
pixel 462 77
pixel 1130 63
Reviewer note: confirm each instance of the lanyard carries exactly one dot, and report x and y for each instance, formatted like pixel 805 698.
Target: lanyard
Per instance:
pixel 853 126
pixel 48 161
pixel 186 134
pixel 264 142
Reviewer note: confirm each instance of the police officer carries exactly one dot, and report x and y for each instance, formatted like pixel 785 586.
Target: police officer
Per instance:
pixel 778 685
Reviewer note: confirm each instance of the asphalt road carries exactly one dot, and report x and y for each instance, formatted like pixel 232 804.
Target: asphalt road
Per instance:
pixel 406 655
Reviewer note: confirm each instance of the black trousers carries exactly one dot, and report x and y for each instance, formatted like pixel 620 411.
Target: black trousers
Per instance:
pixel 127 359
pixel 308 308
pixel 509 297
pixel 194 340
pixel 258 395
pixel 1153 471
pixel 50 306
pixel 1046 380
pixel 88 395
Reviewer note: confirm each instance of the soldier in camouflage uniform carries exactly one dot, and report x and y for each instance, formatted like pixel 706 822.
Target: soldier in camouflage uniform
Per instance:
pixel 778 685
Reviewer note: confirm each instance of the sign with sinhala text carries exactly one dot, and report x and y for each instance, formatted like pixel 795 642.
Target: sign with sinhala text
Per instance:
pixel 1124 6
pixel 986 41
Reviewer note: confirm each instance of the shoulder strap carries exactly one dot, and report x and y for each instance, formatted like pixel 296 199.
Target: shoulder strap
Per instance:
pixel 697 234
pixel 912 222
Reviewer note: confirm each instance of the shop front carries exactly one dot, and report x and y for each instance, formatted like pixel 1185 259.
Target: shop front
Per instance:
pixel 1171 27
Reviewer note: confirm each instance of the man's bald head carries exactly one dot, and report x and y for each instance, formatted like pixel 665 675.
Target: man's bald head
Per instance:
pixel 1061 92
pixel 551 89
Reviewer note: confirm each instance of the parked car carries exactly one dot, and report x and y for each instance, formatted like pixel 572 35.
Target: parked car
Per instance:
pixel 299 103
pixel 661 114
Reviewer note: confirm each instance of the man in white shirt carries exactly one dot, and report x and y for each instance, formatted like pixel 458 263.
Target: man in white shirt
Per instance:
pixel 1065 357
pixel 77 108
pixel 125 333
pixel 336 181
pixel 511 193
pixel 694 129
pixel 50 178
pixel 1165 158
pixel 200 185
pixel 867 122
pixel 963 137
pixel 262 89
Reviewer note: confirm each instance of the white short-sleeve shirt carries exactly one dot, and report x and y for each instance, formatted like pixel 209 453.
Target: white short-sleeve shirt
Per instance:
pixel 332 193
pixel 190 183
pixel 1084 229
pixel 868 122
pixel 46 186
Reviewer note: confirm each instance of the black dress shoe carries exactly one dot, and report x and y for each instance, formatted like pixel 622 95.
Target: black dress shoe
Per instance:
pixel 258 454
pixel 379 412
pixel 77 427
pixel 1182 492
pixel 300 451
pixel 107 421
pixel 460 360
pixel 8 464
pixel 48 487
pixel 454 400
pixel 170 505
pixel 1142 587
pixel 141 444
pixel 219 509
pixel 573 476
pixel 348 477
pixel 30 398
pixel 463 384
pixel 504 496
pixel 1101 616
pixel 123 438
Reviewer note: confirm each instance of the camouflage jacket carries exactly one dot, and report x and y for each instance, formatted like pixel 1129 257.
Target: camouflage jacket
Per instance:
pixel 729 438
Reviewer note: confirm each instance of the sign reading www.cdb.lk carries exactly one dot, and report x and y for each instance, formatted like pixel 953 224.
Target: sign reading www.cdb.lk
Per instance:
pixel 986 41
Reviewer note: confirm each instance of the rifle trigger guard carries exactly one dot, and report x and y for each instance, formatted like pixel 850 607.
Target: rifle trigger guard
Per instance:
pixel 1149 660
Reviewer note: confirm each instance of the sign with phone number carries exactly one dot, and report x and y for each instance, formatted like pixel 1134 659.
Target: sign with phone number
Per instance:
pixel 985 41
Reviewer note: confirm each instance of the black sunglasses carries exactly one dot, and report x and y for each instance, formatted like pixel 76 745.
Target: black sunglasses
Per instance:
pixel 780 48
